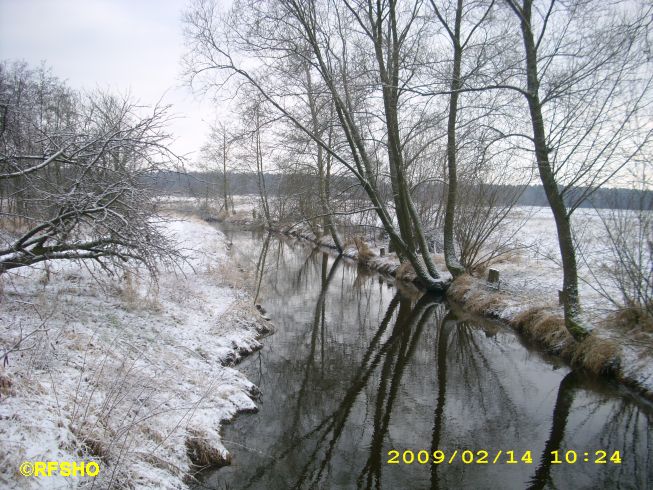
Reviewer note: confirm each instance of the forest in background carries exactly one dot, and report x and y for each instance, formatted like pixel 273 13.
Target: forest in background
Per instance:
pixel 208 185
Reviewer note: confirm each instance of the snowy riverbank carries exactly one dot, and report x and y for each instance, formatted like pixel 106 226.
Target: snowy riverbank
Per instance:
pixel 132 375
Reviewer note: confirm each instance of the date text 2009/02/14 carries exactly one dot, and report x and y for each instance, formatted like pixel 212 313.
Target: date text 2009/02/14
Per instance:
pixel 500 456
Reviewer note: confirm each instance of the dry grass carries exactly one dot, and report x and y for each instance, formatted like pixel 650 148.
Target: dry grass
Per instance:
pixel 515 256
pixel 97 448
pixel 228 273
pixel 406 272
pixel 14 225
pixel 465 289
pixel 631 319
pixel 546 326
pixel 364 252
pixel 6 386
pixel 202 453
pixel 597 355
pixel 484 302
pixel 129 292
pixel 438 260
pixel 460 287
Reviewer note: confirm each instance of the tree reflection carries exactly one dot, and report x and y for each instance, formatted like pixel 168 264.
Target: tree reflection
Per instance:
pixel 396 360
pixel 317 327
pixel 395 354
pixel 441 359
pixel 563 404
pixel 343 381
pixel 260 265
pixel 619 429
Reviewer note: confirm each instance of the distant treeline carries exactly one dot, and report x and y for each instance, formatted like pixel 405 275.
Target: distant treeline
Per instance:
pixel 208 184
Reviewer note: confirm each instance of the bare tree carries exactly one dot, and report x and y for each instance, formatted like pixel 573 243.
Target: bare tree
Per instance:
pixel 621 269
pixel 216 151
pixel 360 52
pixel 460 42
pixel 74 181
pixel 323 158
pixel 585 84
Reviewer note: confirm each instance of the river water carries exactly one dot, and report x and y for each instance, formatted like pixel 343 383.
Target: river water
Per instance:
pixel 360 374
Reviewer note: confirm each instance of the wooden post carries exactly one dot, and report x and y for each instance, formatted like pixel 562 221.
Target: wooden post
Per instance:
pixel 493 276
pixel 382 251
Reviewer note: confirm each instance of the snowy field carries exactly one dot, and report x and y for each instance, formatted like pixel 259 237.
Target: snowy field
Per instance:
pixel 123 372
pixel 534 270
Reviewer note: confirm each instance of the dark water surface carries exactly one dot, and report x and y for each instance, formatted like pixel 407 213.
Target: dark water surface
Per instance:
pixel 357 369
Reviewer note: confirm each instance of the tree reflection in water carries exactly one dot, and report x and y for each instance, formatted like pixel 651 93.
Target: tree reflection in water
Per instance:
pixel 356 369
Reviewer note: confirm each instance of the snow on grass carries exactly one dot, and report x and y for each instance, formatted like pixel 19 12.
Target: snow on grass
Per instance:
pixel 532 276
pixel 535 271
pixel 123 372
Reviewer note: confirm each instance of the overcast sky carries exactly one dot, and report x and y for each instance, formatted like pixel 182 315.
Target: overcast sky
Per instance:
pixel 130 46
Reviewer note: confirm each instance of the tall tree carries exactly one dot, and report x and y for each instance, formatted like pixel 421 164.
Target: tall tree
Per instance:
pixel 74 172
pixel 459 42
pixel 364 53
pixel 585 85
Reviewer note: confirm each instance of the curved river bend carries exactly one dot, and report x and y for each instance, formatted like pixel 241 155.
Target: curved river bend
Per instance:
pixel 358 369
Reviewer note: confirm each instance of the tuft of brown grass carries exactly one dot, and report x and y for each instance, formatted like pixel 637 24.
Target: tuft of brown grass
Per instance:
pixel 45 278
pixel 460 287
pixel 153 434
pixel 97 448
pixel 228 273
pixel 470 291
pixel 14 225
pixel 364 252
pixel 632 318
pixel 545 326
pixel 93 443
pixel 6 386
pixel 484 302
pixel 202 454
pixel 600 356
pixel 158 462
pixel 438 260
pixel 129 291
pixel 406 272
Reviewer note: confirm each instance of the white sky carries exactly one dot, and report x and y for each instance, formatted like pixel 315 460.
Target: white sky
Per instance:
pixel 126 46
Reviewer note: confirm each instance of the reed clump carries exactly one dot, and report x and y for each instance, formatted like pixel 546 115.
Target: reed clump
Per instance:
pixel 364 252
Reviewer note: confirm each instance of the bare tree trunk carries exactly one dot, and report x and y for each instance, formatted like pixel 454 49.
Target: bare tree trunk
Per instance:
pixel 553 194
pixel 322 177
pixel 225 188
pixel 259 171
pixel 409 223
pixel 453 265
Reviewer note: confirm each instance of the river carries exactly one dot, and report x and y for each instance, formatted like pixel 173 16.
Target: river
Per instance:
pixel 366 385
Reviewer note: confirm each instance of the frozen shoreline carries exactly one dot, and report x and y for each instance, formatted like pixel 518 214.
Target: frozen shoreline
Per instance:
pixel 132 375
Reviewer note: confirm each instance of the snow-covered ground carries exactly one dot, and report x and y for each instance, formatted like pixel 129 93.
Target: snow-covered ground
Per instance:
pixel 535 271
pixel 120 371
